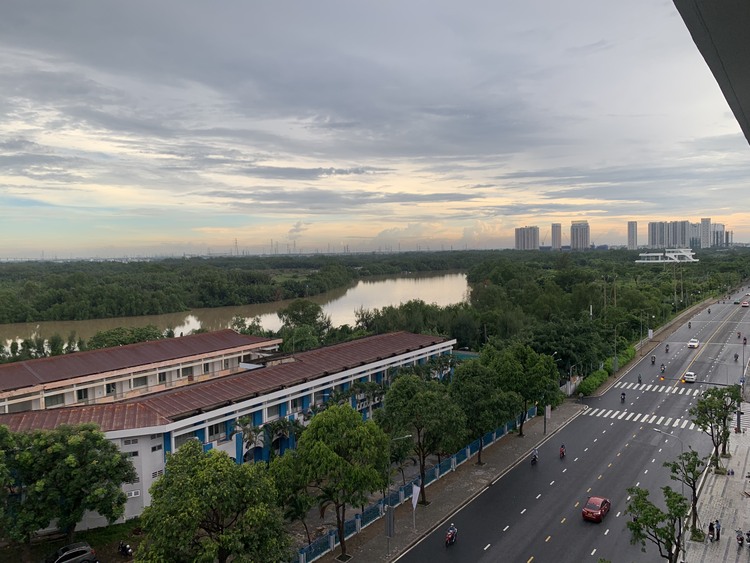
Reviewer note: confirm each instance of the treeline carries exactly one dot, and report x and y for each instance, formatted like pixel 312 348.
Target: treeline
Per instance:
pixel 56 291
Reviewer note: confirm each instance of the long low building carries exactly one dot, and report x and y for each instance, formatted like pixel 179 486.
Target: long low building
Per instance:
pixel 148 426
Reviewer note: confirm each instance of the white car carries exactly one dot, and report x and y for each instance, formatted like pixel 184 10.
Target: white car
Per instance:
pixel 689 377
pixel 745 304
pixel 693 343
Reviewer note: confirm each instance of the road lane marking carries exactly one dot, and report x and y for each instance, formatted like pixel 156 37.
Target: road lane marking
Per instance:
pixel 524 510
pixel 631 414
pixel 562 521
pixel 645 471
pixel 537 496
pixel 574 459
pixel 564 470
pixel 592 553
pixel 506 528
pixel 660 419
pixel 577 503
pixel 585 449
pixel 551 483
pixel 548 538
pixel 653 460
pixel 637 417
pixel 486 547
pixel 606 531
pixel 596 439
pixel 588 490
pixel 618 514
pixel 610 464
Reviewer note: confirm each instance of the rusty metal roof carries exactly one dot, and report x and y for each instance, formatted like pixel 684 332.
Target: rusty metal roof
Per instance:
pixel 169 406
pixel 17 375
pixel 113 416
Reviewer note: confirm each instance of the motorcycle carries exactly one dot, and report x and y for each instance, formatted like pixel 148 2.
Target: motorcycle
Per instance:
pixel 653 360
pixel 534 459
pixel 740 538
pixel 666 348
pixel 450 536
pixel 622 398
pixel 662 368
pixel 562 452
pixel 639 378
pixel 736 356
pixel 709 311
pixel 125 549
pixel 690 325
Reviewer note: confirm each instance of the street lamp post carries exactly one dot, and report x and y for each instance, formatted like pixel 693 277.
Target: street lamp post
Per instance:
pixel 389 521
pixel 682 485
pixel 615 362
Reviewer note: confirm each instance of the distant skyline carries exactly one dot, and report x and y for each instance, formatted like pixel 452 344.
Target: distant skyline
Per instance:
pixel 160 129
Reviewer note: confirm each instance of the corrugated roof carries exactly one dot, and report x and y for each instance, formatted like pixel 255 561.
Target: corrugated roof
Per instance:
pixel 306 366
pixel 17 375
pixel 167 406
pixel 114 416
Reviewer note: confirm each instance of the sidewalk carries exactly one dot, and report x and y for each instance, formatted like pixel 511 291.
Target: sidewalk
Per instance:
pixel 456 489
pixel 726 497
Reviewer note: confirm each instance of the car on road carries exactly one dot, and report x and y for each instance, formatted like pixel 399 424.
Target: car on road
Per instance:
pixel 736 301
pixel 596 509
pixel 745 304
pixel 689 377
pixel 694 343
pixel 80 552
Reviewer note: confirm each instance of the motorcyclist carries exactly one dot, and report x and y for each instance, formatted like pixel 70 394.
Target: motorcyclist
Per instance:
pixel 736 356
pixel 639 378
pixel 690 325
pixel 662 368
pixel 622 397
pixel 653 360
pixel 452 529
pixel 562 450
pixel 535 455
pixel 666 348
pixel 709 311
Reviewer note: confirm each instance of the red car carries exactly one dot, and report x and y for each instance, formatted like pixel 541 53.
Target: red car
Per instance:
pixel 596 509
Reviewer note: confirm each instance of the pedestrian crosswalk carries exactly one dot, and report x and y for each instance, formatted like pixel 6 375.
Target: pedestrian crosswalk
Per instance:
pixel 651 419
pixel 688 391
pixel 657 420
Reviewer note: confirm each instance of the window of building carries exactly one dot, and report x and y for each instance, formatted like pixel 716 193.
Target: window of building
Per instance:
pixel 217 432
pixel 129 441
pixel 131 494
pixel 54 400
pixel 110 388
pixel 131 454
pixel 155 436
pixel 273 412
pixel 187 372
pixel 139 382
pixel 82 395
pixel 206 368
pixel 162 377
pixel 156 474
pixel 226 364
pixel 156 448
pixel 182 438
pixel 296 405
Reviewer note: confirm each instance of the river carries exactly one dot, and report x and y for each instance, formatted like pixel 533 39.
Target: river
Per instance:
pixel 340 304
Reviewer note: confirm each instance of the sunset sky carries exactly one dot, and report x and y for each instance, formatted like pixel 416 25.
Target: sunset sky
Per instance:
pixel 162 128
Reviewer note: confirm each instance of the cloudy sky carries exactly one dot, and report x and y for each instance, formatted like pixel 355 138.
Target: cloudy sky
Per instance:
pixel 171 127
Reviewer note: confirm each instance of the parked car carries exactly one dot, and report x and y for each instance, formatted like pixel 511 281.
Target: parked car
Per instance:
pixel 694 343
pixel 596 509
pixel 80 552
pixel 689 377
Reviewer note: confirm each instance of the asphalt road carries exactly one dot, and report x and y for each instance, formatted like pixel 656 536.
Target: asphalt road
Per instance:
pixel 533 513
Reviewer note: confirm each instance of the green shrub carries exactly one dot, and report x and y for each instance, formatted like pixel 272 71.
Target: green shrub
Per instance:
pixel 593 381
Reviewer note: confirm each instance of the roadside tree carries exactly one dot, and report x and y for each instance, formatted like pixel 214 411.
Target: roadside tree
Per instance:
pixel 476 390
pixel 425 410
pixel 208 508
pixel 712 413
pixel 341 458
pixel 650 523
pixel 533 377
pixel 687 469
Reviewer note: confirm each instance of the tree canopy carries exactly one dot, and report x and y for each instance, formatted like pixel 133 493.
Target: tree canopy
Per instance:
pixel 206 508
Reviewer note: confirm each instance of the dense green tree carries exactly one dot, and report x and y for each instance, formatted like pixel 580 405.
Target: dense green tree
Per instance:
pixel 64 472
pixel 651 523
pixel 476 390
pixel 533 377
pixel 424 409
pixel 302 312
pixel 712 414
pixel 295 498
pixel 341 458
pixel 122 336
pixel 208 508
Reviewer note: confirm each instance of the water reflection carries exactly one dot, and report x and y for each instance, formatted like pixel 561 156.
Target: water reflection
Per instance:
pixel 341 304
